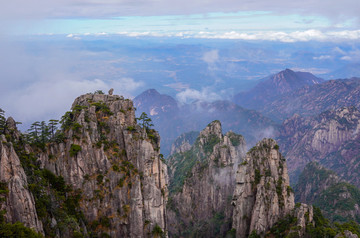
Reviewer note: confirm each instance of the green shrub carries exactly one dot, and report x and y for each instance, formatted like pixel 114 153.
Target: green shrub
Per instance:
pixel 100 178
pixel 157 231
pixel 257 176
pixel 74 150
pixel 17 230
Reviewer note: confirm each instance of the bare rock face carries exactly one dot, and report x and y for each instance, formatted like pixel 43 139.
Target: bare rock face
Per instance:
pixel 331 138
pixel 262 195
pixel 202 183
pixel 115 163
pixel 19 203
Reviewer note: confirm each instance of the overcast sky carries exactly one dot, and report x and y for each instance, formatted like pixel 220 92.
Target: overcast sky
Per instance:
pixel 164 16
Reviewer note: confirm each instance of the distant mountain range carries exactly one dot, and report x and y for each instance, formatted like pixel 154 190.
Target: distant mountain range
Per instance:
pixel 271 87
pixel 282 95
pixel 171 119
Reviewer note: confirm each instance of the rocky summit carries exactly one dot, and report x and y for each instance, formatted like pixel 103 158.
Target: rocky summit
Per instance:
pixel 103 160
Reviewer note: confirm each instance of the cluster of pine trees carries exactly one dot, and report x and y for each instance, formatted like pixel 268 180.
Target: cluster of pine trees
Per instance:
pixel 42 132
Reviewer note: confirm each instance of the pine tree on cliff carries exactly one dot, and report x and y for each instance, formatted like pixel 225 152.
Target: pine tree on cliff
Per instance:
pixel 2 121
pixel 145 121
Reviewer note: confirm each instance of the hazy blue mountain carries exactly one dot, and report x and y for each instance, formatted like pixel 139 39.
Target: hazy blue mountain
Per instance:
pixel 271 87
pixel 314 99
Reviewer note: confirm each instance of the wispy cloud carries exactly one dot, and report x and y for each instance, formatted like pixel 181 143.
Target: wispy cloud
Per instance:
pixel 205 94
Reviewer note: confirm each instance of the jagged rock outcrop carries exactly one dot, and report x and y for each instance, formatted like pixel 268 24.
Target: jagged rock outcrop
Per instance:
pixel 262 195
pixel 19 203
pixel 115 164
pixel 184 142
pixel 338 200
pixel 202 181
pixel 331 138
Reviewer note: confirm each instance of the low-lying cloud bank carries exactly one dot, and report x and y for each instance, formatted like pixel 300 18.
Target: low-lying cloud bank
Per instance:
pixel 296 36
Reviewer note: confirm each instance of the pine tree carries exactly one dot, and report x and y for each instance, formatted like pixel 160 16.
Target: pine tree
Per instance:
pixel 53 127
pixel 44 132
pixel 2 121
pixel 34 132
pixel 145 121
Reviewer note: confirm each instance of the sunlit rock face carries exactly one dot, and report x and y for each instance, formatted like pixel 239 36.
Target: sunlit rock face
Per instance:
pixel 262 194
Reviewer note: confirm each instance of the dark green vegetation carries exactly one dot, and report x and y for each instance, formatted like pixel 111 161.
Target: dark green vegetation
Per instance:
pixel 322 228
pixel 184 163
pixel 339 201
pixel 74 149
pixel 336 198
pixel 213 224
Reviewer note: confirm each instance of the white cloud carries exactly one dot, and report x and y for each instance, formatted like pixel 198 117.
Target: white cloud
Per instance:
pixel 189 95
pixel 297 36
pixel 211 57
pixel 323 57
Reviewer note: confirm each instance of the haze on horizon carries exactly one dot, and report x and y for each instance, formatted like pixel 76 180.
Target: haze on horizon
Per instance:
pixel 53 51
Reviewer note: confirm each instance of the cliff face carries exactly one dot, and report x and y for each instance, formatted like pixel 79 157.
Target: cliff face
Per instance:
pixel 114 163
pixel 331 138
pixel 202 183
pixel 18 202
pixel 262 195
